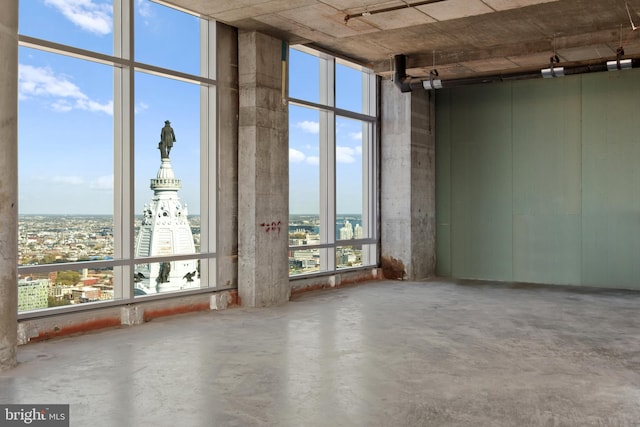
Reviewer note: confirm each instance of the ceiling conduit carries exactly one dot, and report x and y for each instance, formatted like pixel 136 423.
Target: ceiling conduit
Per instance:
pixel 406 84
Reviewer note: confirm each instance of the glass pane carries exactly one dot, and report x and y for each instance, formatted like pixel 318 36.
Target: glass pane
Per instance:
pixel 304 76
pixel 48 239
pixel 349 178
pixel 160 277
pixel 348 256
pixel 304 175
pixel 166 37
pixel 64 287
pixel 349 83
pixel 304 261
pixel 84 24
pixel 65 159
pixel 167 166
pixel 349 227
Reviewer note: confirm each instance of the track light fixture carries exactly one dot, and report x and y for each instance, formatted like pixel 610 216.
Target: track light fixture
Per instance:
pixel 553 71
pixel 619 64
pixel 432 83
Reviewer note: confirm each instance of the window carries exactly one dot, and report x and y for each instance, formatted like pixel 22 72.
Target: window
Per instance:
pixel 80 24
pixel 332 117
pixel 104 215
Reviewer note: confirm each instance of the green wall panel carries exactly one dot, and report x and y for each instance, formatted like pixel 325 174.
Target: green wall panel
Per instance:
pixel 443 187
pixel 481 182
pixel 546 180
pixel 538 181
pixel 611 179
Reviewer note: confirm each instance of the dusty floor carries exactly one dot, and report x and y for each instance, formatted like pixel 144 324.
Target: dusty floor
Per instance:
pixel 378 354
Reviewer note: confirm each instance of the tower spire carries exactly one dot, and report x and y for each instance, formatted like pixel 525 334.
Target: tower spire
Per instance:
pixel 165 231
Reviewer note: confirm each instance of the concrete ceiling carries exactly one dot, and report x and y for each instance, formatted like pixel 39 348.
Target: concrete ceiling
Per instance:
pixel 464 38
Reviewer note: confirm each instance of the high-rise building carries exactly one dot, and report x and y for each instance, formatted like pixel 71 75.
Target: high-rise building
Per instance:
pixel 346 231
pixel 165 230
pixel 358 232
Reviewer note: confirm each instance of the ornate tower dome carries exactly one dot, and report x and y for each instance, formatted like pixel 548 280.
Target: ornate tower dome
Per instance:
pixel 165 231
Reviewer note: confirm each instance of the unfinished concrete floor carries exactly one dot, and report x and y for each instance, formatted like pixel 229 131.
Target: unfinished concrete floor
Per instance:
pixel 378 354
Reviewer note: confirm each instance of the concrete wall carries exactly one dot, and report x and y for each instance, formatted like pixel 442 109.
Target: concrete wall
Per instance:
pixel 43 328
pixel 407 188
pixel 263 176
pixel 8 181
pixel 227 162
pixel 537 181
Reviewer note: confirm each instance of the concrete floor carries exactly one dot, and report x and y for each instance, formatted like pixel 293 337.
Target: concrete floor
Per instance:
pixel 377 354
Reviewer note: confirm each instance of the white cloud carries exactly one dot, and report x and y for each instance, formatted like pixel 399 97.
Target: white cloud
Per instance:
pixel 296 156
pixel 144 8
pixel 359 149
pixel 102 183
pixel 140 107
pixel 87 14
pixel 309 126
pixel 90 105
pixel 62 106
pixel 313 160
pixel 356 135
pixel 43 82
pixel 345 154
pixel 68 179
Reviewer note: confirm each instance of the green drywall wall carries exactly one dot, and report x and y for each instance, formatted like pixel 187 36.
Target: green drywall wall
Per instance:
pixel 546 173
pixel 481 181
pixel 537 181
pixel 611 179
pixel 443 184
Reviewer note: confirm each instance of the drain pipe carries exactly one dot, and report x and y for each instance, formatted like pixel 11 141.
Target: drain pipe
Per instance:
pixel 400 77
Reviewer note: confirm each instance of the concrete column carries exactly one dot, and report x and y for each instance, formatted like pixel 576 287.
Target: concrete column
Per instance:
pixel 227 118
pixel 8 182
pixel 263 175
pixel 407 193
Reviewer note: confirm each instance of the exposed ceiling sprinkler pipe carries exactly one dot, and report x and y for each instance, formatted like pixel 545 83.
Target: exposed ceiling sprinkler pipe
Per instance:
pixel 368 12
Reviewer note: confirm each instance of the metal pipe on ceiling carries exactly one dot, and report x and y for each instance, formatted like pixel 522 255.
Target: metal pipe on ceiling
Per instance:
pixel 388 9
pixel 407 84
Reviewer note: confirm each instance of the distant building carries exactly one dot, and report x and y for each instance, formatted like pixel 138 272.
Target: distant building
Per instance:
pixel 358 232
pixel 346 232
pixel 85 294
pixel 32 294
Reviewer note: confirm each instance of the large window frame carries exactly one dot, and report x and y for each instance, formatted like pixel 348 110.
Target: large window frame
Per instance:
pixel 329 114
pixel 124 68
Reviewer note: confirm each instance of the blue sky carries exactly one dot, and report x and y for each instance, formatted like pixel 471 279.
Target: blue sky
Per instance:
pixel 66 140
pixel 304 127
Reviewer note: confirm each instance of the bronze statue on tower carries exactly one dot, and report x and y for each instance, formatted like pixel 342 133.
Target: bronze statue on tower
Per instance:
pixel 167 138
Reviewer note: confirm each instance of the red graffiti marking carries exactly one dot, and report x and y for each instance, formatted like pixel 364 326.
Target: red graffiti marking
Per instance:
pixel 272 226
